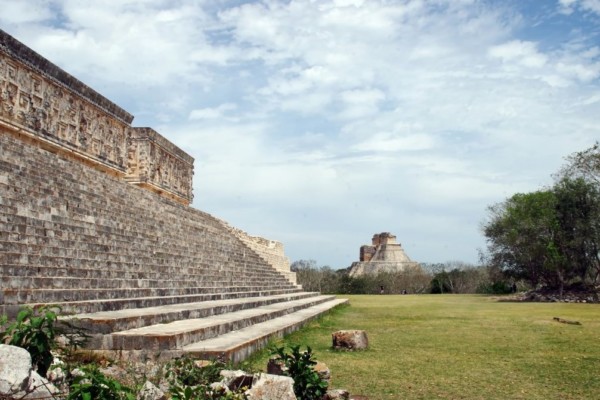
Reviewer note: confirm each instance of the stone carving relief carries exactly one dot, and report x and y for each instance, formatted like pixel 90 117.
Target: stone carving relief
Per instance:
pixel 48 103
pixel 51 111
pixel 149 162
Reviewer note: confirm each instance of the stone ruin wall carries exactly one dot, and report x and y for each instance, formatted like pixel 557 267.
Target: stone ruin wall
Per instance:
pixel 377 251
pixel 156 164
pixel 45 105
pixel 42 104
pixel 269 250
pixel 384 254
pixel 366 253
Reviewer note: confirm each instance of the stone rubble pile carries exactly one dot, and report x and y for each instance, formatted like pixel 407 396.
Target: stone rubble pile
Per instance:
pixel 18 380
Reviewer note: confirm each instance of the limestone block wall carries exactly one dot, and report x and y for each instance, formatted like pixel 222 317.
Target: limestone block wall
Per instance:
pixel 70 233
pixel 80 221
pixel 41 102
pixel 367 252
pixel 156 164
pixel 385 254
pixel 271 251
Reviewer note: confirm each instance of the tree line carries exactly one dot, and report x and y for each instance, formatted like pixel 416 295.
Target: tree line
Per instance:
pixel 549 238
pixel 448 277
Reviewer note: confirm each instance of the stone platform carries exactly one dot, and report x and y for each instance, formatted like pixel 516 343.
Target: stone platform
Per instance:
pixel 94 218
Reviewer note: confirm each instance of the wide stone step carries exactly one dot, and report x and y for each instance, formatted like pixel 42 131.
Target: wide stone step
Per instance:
pixel 93 306
pixel 124 319
pixel 20 296
pixel 118 271
pixel 34 282
pixel 177 334
pixel 238 345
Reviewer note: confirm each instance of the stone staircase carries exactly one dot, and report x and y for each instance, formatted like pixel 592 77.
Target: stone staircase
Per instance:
pixel 145 275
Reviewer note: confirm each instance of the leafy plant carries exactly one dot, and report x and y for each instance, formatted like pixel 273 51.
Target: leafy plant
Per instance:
pixel 91 384
pixel 185 379
pixel 188 381
pixel 308 385
pixel 185 371
pixel 35 331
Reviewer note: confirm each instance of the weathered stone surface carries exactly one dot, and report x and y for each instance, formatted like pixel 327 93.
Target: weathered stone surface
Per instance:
pixel 323 370
pixel 51 106
pixel 15 368
pixel 235 380
pixel 275 366
pixel 39 388
pixel 271 387
pixel 384 255
pixel 157 164
pixel 350 340
pixel 56 375
pixel 150 392
pixel 77 230
pixel 269 250
pixel 337 394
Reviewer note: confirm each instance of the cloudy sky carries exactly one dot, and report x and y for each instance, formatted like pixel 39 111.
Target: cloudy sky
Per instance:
pixel 321 122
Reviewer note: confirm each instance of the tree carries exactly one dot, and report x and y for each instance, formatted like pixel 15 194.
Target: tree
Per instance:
pixel 307 274
pixel 548 237
pixel 584 164
pixel 457 277
pixel 521 234
pixel 316 279
pixel 578 214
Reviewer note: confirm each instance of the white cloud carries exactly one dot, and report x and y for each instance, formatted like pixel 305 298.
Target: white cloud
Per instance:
pixel 19 12
pixel 524 53
pixel 212 113
pixel 568 6
pixel 385 142
pixel 339 118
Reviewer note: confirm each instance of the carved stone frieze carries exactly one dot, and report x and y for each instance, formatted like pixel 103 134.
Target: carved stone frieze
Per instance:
pixel 49 110
pixel 45 103
pixel 156 163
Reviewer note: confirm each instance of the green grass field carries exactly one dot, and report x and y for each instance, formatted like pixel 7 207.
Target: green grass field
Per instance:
pixel 459 347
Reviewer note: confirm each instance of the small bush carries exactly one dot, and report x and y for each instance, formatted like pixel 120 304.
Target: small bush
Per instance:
pixel 495 288
pixel 92 384
pixel 35 331
pixel 187 381
pixel 308 385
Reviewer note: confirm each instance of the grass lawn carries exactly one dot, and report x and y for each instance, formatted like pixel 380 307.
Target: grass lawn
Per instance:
pixel 459 347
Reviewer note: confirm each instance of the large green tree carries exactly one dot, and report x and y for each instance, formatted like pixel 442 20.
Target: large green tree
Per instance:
pixel 521 234
pixel 549 237
pixel 584 164
pixel 578 215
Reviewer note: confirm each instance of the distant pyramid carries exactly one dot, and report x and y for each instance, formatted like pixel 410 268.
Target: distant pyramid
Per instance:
pixel 383 255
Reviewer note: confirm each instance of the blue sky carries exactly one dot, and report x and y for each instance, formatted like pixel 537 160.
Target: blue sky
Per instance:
pixel 320 123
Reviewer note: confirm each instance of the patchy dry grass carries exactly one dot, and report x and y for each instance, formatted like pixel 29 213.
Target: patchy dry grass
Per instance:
pixel 460 347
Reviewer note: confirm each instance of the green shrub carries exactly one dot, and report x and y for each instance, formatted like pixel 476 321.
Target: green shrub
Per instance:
pixel 495 288
pixel 35 331
pixel 187 381
pixel 92 384
pixel 308 385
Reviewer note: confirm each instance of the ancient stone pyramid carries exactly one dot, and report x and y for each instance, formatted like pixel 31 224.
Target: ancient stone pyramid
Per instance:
pixel 95 218
pixel 384 254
